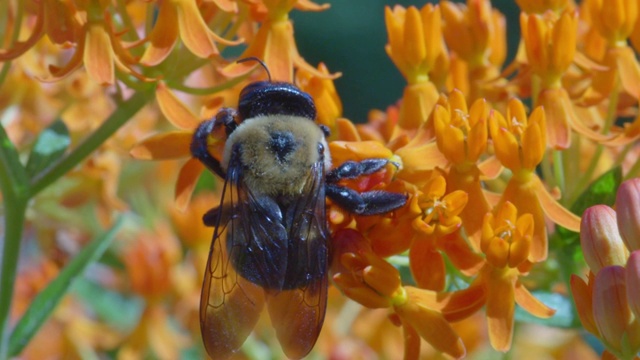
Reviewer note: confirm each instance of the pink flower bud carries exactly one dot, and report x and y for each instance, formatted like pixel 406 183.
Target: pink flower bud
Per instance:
pixel 628 211
pixel 633 282
pixel 611 312
pixel 601 243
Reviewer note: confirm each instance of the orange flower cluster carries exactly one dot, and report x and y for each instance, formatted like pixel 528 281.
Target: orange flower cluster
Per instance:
pixel 491 155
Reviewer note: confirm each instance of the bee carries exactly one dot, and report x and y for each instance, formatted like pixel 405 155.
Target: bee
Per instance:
pixel 271 245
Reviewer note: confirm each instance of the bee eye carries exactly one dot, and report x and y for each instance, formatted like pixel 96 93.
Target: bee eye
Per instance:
pixel 325 130
pixel 320 148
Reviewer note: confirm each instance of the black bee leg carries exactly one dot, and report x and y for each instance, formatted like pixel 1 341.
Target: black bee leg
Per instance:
pixel 210 218
pixel 353 169
pixel 366 203
pixel 216 216
pixel 199 146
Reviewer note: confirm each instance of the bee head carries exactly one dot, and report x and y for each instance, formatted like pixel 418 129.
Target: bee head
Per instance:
pixel 275 98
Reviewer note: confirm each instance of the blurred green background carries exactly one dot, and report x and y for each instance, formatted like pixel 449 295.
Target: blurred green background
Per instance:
pixel 350 37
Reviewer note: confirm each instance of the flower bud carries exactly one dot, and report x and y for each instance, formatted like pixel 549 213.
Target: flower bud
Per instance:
pixel 601 243
pixel 628 213
pixel 633 282
pixel 615 322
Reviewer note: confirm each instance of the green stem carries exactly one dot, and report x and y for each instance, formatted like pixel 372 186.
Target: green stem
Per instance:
pixel 125 111
pixel 13 222
pixel 558 170
pixel 585 179
pixel 13 180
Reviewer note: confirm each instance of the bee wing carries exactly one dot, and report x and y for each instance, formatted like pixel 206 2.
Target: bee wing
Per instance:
pixel 297 312
pixel 230 305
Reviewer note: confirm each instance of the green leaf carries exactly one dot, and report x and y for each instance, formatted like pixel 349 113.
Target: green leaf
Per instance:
pixel 13 177
pixel 49 147
pixel 563 318
pixel 46 301
pixel 601 191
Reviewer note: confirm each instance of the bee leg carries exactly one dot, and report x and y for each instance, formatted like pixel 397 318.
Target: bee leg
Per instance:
pixel 217 215
pixel 353 169
pixel 199 145
pixel 366 203
pixel 210 218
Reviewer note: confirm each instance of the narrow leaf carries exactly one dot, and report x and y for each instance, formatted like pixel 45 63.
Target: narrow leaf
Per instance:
pixel 46 301
pixel 50 145
pixel 13 177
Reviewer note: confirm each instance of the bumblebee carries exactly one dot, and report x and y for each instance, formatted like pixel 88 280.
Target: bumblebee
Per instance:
pixel 271 245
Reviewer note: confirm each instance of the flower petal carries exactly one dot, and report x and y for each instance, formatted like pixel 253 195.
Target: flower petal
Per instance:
pixel 556 212
pixel 629 70
pixel 528 302
pixel 174 109
pixel 583 298
pixel 430 324
pixel 163 37
pixel 427 265
pixel 170 145
pixel 187 180
pixel 500 311
pixel 98 55
pixel 461 304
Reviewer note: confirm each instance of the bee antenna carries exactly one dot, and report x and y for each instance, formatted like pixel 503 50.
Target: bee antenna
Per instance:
pixel 253 58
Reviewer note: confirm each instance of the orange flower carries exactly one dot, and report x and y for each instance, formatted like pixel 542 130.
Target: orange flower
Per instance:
pixel 56 20
pixel 182 19
pixel 97 44
pixel 520 145
pixel 274 43
pixel 437 227
pixel 506 239
pixel 365 277
pixel 149 261
pixel 615 23
pixel 416 47
pixel 550 43
pixel 476 34
pixel 461 135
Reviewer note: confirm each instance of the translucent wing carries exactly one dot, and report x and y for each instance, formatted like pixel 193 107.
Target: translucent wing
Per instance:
pixel 297 311
pixel 230 305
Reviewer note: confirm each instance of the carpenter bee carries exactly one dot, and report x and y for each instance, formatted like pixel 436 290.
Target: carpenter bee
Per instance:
pixel 271 245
